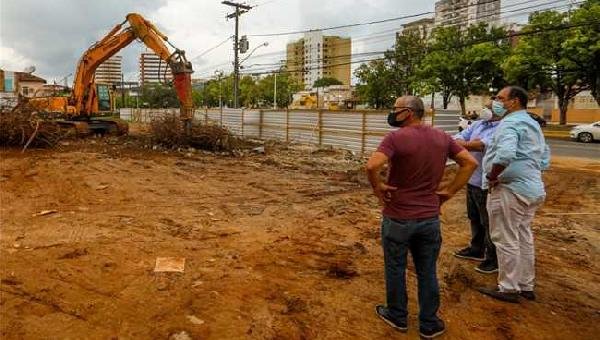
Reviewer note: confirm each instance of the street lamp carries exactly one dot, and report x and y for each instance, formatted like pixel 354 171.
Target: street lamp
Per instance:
pixel 219 74
pixel 265 44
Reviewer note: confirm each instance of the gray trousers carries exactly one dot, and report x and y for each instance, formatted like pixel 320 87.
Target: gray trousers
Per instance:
pixel 510 230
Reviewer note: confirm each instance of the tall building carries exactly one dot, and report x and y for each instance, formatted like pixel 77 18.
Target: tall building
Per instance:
pixel 464 13
pixel 423 26
pixel 317 56
pixel 153 69
pixel 110 70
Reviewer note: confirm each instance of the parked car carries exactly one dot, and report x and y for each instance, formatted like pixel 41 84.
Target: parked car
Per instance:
pixel 538 119
pixel 586 133
pixel 463 124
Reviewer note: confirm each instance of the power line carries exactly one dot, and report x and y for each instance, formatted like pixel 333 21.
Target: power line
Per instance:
pixel 211 49
pixel 508 36
pixel 374 22
pixel 367 37
pixel 381 52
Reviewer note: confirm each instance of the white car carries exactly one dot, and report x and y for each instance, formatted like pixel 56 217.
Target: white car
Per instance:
pixel 586 133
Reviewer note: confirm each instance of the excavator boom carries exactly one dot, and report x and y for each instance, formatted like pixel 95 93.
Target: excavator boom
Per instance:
pixel 84 97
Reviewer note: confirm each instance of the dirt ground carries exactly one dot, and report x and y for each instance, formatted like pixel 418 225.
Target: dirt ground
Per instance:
pixel 282 245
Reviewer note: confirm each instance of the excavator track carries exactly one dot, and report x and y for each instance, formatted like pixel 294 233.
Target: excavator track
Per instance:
pixel 82 128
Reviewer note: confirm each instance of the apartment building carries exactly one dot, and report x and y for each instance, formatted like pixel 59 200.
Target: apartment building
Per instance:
pixel 317 56
pixel 110 71
pixel 464 13
pixel 153 69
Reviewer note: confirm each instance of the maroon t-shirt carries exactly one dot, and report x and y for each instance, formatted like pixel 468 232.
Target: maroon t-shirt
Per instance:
pixel 418 156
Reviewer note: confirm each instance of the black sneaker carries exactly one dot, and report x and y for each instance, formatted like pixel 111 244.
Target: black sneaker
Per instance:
pixel 383 313
pixel 433 332
pixel 468 254
pixel 487 267
pixel 528 295
pixel 498 295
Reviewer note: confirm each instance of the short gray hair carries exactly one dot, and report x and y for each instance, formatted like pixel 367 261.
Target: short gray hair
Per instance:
pixel 416 104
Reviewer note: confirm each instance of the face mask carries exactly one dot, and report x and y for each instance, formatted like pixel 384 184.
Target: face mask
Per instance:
pixel 485 114
pixel 498 108
pixel 391 119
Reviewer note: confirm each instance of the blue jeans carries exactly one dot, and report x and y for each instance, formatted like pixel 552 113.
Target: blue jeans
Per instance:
pixel 423 238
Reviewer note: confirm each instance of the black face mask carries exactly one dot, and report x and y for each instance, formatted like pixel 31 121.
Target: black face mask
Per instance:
pixel 391 119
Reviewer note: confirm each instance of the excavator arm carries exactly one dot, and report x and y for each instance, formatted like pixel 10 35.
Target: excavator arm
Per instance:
pixel 84 92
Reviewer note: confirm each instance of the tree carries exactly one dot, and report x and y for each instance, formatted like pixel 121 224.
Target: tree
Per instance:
pixel 326 81
pixel 583 49
pixel 373 87
pixel 286 86
pixel 541 60
pixel 465 62
pixel 159 96
pixel 404 61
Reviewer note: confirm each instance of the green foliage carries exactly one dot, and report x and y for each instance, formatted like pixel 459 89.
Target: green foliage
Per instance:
pixel 374 84
pixel 158 96
pixel 461 63
pixel 563 61
pixel 326 81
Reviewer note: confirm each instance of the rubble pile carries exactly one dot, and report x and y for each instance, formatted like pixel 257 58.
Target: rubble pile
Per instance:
pixel 22 127
pixel 169 131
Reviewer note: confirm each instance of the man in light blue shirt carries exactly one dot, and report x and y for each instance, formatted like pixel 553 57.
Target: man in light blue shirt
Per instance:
pixel 481 248
pixel 512 168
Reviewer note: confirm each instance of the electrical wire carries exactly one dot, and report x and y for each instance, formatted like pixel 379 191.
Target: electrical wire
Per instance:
pixel 371 42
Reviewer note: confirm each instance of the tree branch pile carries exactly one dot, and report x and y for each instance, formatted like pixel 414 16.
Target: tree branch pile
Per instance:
pixel 168 131
pixel 22 127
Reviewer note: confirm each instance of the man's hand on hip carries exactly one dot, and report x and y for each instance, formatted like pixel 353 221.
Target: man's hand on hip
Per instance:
pixel 384 192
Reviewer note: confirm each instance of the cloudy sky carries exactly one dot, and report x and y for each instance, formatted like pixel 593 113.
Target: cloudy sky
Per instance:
pixel 53 34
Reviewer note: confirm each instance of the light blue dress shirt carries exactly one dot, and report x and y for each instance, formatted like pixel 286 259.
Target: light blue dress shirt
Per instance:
pixel 519 145
pixel 484 131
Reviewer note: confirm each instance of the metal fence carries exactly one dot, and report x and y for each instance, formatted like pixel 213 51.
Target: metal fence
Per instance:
pixel 356 130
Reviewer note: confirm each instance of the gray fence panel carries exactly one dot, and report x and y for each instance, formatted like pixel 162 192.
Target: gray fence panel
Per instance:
pixel 356 131
pixel 251 123
pixel 303 126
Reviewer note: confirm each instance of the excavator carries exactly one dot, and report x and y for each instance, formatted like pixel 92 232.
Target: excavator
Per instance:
pixel 89 101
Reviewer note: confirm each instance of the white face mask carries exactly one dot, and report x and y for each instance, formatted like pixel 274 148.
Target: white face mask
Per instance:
pixel 485 114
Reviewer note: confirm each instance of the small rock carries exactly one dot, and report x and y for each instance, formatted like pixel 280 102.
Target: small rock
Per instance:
pixel 259 150
pixel 16 245
pixel 155 147
pixel 189 154
pixel 195 320
pixel 180 336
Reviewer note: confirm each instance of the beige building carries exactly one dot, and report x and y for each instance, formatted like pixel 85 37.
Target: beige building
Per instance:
pixel 317 56
pixel 110 71
pixel 153 69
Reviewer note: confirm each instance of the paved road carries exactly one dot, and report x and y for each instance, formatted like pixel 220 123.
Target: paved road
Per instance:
pixel 574 149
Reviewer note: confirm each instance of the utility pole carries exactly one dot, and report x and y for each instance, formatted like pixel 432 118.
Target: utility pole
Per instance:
pixel 275 93
pixel 239 10
pixel 122 90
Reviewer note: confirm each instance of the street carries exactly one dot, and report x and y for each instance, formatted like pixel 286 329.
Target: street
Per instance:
pixel 569 148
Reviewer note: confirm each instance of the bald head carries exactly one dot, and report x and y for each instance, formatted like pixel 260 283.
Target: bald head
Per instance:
pixel 415 103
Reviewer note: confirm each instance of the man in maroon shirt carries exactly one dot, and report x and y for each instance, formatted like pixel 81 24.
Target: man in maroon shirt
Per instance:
pixel 411 200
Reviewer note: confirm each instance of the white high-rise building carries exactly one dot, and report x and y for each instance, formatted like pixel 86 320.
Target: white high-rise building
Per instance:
pixel 464 13
pixel 110 71
pixel 153 69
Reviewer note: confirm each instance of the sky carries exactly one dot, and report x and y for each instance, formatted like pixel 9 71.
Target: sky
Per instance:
pixel 52 35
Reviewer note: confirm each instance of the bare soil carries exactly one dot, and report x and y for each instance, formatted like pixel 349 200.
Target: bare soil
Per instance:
pixel 282 245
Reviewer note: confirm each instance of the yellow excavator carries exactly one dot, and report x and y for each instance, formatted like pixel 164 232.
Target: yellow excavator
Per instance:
pixel 88 102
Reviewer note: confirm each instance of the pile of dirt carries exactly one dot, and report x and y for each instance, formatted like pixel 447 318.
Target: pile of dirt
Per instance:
pixel 169 131
pixel 22 127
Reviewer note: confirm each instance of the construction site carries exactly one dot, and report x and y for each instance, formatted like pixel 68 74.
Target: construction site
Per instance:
pixel 192 220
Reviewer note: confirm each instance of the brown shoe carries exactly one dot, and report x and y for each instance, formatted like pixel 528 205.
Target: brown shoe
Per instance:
pixel 498 295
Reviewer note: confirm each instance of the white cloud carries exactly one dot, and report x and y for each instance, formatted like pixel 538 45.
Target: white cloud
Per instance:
pixel 11 60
